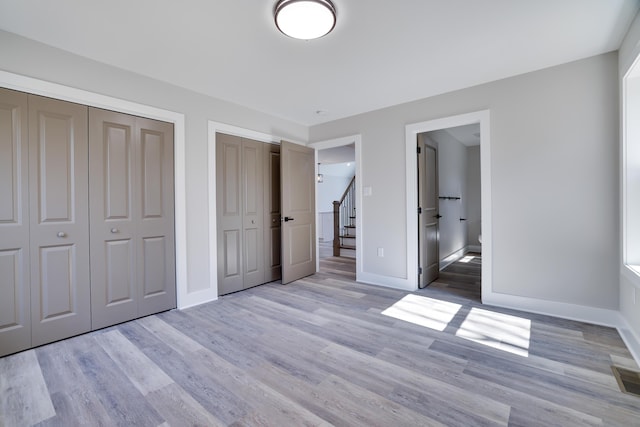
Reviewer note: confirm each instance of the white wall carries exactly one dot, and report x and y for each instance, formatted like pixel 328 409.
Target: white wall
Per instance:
pixel 32 59
pixel 452 182
pixel 629 283
pixel 554 175
pixel 474 205
pixel 329 190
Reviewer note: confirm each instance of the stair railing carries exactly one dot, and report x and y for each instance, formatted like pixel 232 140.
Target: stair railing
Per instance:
pixel 344 212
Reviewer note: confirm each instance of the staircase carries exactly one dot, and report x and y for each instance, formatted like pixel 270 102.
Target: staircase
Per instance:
pixel 344 222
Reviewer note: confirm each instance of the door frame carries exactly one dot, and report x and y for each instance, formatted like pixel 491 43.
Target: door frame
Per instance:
pixel 8 80
pixel 411 133
pixel 340 142
pixel 213 128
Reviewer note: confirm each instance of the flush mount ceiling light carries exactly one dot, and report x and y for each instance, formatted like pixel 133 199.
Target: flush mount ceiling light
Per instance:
pixel 305 19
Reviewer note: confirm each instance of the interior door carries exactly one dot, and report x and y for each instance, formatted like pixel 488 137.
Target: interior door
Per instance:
pixel 15 319
pixel 229 212
pixel 132 236
pixel 59 219
pixel 112 182
pixel 156 269
pixel 252 213
pixel 428 216
pixel 298 200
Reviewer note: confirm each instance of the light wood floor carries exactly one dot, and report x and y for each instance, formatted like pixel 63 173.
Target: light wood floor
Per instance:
pixel 328 351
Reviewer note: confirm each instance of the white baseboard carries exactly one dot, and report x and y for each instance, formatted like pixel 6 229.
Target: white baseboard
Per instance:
pixel 447 261
pixel 386 281
pixel 630 339
pixel 579 313
pixel 474 248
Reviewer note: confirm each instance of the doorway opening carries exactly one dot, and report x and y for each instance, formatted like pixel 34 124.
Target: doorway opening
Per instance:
pixel 481 118
pixel 449 212
pixel 338 206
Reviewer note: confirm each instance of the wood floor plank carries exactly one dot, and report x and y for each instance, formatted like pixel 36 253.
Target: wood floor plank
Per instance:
pixel 25 398
pixel 320 351
pixel 140 370
pixel 125 405
pixel 80 405
pixel 179 408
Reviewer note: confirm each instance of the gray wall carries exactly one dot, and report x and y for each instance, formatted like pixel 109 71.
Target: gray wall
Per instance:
pixel 32 59
pixel 629 285
pixel 474 205
pixel 554 159
pixel 452 182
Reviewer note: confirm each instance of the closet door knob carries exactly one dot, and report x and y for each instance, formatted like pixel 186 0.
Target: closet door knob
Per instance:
pixel 61 234
pixel 115 230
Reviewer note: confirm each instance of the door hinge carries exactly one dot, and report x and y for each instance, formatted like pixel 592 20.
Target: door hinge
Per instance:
pixel 419 150
pixel 419 270
pixel 419 210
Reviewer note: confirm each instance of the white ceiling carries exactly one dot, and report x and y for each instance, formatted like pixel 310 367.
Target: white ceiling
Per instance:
pixel 342 154
pixel 468 135
pixel 381 53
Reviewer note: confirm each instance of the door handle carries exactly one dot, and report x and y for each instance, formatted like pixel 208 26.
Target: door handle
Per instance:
pixel 61 234
pixel 287 219
pixel 437 216
pixel 115 230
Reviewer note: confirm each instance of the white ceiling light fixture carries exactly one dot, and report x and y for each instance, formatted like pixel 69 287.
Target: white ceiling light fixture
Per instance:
pixel 305 19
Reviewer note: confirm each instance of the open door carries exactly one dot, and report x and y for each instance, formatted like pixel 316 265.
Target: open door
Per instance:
pixel 298 199
pixel 428 212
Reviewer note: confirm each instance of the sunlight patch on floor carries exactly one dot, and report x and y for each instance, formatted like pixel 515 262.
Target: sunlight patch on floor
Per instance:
pixel 428 312
pixel 497 330
pixel 467 259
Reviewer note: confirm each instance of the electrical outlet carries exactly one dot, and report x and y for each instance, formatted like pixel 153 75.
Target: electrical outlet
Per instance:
pixel 381 252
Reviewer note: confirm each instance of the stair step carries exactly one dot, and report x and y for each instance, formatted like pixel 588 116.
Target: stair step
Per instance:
pixel 347 246
pixel 349 226
pixel 347 236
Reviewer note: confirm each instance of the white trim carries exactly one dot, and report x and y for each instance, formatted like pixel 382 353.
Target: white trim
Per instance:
pixel 579 313
pixel 385 281
pixel 474 248
pixel 628 334
pixel 340 142
pixel 211 293
pixel 411 133
pixel 66 93
pixel 450 259
pixel 630 338
pixel 632 72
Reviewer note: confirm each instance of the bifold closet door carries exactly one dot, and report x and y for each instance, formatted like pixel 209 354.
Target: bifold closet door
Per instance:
pixel 112 181
pixel 155 235
pixel 253 212
pixel 59 219
pixel 229 212
pixel 240 213
pixel 15 311
pixel 132 217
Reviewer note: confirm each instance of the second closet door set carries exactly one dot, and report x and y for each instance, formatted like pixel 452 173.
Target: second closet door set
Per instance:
pixel 86 219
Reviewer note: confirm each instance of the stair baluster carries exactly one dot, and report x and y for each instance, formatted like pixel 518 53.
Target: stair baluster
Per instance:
pixel 344 215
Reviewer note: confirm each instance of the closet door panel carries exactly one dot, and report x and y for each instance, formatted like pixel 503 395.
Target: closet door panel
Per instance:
pixel 155 242
pixel 229 212
pixel 112 183
pixel 59 228
pixel 253 213
pixel 15 312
